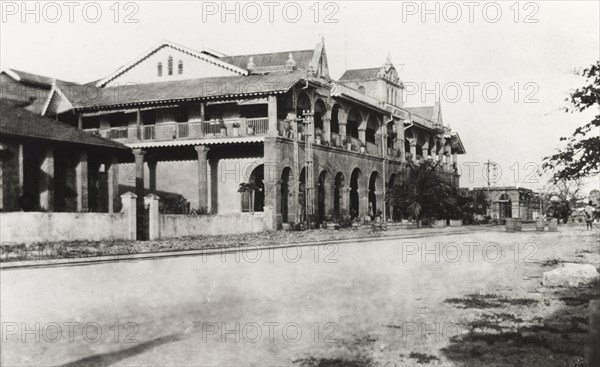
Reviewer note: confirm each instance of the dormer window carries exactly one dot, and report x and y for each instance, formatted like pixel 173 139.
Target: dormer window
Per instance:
pixel 160 69
pixel 180 67
pixel 170 65
pixel 361 89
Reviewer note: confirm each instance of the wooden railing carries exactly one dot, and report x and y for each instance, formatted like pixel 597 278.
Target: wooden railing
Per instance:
pixel 259 126
pixel 186 130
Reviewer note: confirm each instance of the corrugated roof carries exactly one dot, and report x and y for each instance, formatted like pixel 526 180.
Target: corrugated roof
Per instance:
pixel 202 88
pixel 360 74
pixel 302 58
pixel 16 121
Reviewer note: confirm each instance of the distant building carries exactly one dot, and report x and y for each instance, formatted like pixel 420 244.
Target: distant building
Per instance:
pixel 511 202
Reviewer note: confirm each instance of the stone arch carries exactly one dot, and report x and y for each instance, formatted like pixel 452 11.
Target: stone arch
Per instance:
pixel 286 174
pixel 421 139
pixel 354 122
pixel 409 137
pixel 505 209
pixel 431 147
pixel 338 191
pixel 322 195
pixel 392 133
pixel 372 129
pixel 375 189
pixel 320 112
pixel 301 194
pixel 253 200
pixel 335 119
pixel 354 195
pixel 438 147
pixel 303 103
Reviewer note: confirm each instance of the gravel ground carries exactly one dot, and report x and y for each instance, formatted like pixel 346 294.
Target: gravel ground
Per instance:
pixel 402 302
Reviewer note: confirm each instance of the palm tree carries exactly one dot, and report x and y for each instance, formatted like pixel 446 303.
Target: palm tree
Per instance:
pixel 424 194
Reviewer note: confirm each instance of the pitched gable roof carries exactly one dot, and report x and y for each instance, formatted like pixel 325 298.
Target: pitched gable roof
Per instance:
pixel 185 90
pixel 206 56
pixel 303 59
pixel 24 77
pixel 425 112
pixel 16 121
pixel 360 74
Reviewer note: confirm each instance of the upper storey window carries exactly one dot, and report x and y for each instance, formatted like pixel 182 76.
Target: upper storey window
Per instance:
pixel 160 69
pixel 180 67
pixel 170 65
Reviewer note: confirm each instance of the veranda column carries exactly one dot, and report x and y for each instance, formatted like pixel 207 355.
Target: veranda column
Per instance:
pixel 441 152
pixel 447 158
pixel 413 149
pixel 81 173
pixel 362 136
pixel 272 206
pixel 327 128
pixel 152 174
pixel 363 203
pixel 425 150
pixel 113 182
pixel 139 179
pixel 272 112
pixel 202 151
pixel 380 204
pixel 46 184
pixel 329 197
pixel 213 203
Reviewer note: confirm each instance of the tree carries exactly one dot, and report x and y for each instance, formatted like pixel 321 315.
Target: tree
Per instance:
pixel 581 156
pixel 566 190
pixel 424 194
pixel 561 197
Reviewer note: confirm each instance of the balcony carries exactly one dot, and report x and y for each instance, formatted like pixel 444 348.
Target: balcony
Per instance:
pixel 186 130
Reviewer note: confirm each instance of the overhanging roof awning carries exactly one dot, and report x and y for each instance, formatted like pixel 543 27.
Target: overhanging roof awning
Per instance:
pixel 180 142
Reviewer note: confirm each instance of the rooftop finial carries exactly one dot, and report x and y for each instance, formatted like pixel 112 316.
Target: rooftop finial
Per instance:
pixel 323 39
pixel 251 65
pixel 290 61
pixel 388 60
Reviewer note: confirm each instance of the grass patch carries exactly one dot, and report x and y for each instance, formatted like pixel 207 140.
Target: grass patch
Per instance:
pixel 423 358
pixel 332 362
pixel 483 301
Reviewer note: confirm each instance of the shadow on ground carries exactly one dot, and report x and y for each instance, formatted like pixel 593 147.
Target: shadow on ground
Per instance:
pixel 502 338
pixel 107 359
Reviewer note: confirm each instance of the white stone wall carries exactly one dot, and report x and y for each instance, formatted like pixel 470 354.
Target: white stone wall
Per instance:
pixel 30 227
pixel 174 226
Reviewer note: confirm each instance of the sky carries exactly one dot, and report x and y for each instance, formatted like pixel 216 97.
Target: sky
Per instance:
pixel 501 70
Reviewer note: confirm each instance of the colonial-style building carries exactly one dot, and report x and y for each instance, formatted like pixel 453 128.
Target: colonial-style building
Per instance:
pixel 511 202
pixel 200 123
pixel 46 165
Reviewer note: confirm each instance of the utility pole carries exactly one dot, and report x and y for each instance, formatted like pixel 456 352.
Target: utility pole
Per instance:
pixel 489 164
pixel 384 154
pixel 308 117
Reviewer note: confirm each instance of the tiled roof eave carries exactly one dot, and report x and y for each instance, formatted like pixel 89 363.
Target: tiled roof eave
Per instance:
pixel 179 100
pixel 104 145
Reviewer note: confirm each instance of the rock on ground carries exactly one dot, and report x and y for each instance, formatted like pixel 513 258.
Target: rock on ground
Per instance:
pixel 570 275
